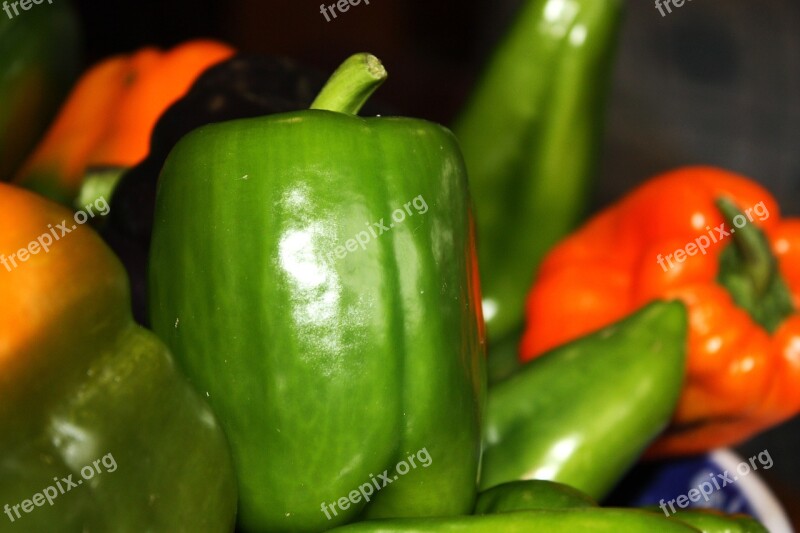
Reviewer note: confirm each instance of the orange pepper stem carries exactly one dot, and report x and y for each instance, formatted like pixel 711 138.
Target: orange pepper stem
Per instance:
pixel 749 271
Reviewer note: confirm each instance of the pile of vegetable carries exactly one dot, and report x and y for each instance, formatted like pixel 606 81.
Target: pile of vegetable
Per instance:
pixel 321 291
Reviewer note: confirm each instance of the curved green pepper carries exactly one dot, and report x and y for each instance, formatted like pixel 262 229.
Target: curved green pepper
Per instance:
pixel 712 521
pixel 596 520
pixel 583 413
pixel 315 273
pixel 531 136
pixel 39 61
pixel 536 495
pixel 98 429
pixel 530 495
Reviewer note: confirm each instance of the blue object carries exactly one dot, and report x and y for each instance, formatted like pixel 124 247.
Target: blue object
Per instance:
pixel 720 480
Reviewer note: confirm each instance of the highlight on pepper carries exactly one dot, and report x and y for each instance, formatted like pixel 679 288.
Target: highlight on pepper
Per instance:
pixel 376 229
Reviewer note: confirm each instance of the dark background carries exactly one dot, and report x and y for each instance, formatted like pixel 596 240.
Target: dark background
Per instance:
pixel 715 82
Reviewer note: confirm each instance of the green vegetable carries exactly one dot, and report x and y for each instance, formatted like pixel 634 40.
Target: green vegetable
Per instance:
pixel 503 360
pixel 165 465
pixel 584 412
pixel 315 274
pixel 712 521
pixel 39 61
pixel 538 495
pixel 244 86
pixel 595 520
pixel 99 431
pixel 531 136
pixel 531 495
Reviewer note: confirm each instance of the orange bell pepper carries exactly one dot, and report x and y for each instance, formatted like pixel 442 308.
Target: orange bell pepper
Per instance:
pixel 672 238
pixel 109 115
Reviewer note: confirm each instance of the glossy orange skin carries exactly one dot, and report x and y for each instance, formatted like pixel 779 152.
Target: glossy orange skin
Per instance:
pixel 111 112
pixel 42 293
pixel 740 379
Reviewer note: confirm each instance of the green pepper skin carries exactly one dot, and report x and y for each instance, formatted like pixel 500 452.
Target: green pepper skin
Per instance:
pixel 39 61
pixel 583 413
pixel 531 135
pixel 530 495
pixel 173 473
pixel 88 383
pixel 326 369
pixel 711 521
pixel 596 520
pixel 537 494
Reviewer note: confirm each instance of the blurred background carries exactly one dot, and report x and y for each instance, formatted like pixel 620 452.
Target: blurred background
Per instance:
pixel 715 82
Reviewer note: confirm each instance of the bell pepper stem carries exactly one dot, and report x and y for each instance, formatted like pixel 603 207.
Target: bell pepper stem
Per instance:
pixel 749 271
pixel 752 244
pixel 349 88
pixel 98 182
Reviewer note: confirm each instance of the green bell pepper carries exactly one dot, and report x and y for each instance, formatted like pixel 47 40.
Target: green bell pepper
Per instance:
pixel 39 61
pixel 592 519
pixel 530 495
pixel 536 495
pixel 531 136
pixel 583 413
pixel 98 429
pixel 315 274
pixel 712 521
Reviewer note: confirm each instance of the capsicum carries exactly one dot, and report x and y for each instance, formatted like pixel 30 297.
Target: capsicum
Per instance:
pixel 315 274
pixel 531 136
pixel 243 86
pixel 98 429
pixel 531 495
pixel 540 495
pixel 592 519
pixel 39 60
pixel 583 413
pixel 713 521
pixel 107 119
pixel 715 240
